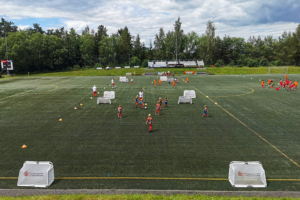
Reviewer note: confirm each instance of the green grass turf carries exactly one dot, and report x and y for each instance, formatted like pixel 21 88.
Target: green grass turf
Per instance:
pixel 93 142
pixel 138 196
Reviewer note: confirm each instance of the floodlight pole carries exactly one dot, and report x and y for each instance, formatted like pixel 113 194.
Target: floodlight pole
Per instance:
pixel 129 59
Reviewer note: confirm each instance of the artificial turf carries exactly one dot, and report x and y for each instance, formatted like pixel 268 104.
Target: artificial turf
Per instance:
pixel 93 142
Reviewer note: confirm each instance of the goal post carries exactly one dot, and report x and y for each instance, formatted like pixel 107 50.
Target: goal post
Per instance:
pixel 278 70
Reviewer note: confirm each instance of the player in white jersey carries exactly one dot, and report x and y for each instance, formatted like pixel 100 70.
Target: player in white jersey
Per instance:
pixel 95 90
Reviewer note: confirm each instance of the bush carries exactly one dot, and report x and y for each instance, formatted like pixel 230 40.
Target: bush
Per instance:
pixel 217 65
pixel 97 65
pixel 87 67
pixel 278 63
pixel 76 67
pixel 231 63
pixel 263 62
pixel 240 63
pixel 135 61
pixel 145 64
pixel 252 63
pixel 69 68
pixel 220 62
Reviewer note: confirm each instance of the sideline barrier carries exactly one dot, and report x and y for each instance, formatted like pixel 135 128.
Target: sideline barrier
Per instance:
pixel 109 94
pixel 189 93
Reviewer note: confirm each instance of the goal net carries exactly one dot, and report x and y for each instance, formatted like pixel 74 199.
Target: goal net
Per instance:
pixel 124 80
pixel 109 94
pixel 103 100
pixel 36 174
pixel 247 174
pixel 278 70
pixel 163 78
pixel 189 93
pixel 183 99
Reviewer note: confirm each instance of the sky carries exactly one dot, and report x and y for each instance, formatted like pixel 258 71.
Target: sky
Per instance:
pixel 236 18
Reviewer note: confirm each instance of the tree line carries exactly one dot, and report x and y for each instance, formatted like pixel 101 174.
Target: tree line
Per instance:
pixel 34 49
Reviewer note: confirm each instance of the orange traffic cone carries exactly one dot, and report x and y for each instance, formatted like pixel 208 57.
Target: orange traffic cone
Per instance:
pixel 24 146
pixel 60 120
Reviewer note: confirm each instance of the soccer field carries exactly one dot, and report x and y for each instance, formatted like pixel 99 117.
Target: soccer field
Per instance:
pixel 93 148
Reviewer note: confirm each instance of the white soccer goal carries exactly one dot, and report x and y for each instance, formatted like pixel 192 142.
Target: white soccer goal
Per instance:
pixel 36 174
pixel 189 93
pixel 122 78
pixel 103 100
pixel 109 94
pixel 183 99
pixel 163 78
pixel 247 174
pixel 278 70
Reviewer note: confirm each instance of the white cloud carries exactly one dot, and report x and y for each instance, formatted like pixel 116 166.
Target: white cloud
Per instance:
pixel 239 18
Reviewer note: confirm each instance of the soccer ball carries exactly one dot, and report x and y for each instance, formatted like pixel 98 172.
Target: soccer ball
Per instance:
pixel 206 96
pixel 91 97
pixel 145 108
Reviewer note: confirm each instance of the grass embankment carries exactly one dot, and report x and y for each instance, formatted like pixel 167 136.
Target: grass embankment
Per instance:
pixel 141 71
pixel 144 197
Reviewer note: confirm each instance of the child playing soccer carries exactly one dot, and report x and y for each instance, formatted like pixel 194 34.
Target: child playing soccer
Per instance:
pixel 174 83
pixel 157 108
pixel 262 83
pixel 269 82
pixel 159 81
pixel 136 100
pixel 187 80
pixel 286 77
pixel 166 102
pixel 296 84
pixel 112 83
pixel 154 82
pixel 205 112
pixel 120 111
pixel 280 83
pixel 95 90
pixel 131 80
pixel 283 84
pixel 141 102
pixel 150 122
pixel 160 102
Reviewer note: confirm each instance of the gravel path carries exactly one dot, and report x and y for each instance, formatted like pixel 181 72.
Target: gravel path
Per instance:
pixel 32 192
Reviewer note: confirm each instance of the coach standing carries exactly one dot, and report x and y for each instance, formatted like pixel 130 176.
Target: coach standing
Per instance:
pixel 95 90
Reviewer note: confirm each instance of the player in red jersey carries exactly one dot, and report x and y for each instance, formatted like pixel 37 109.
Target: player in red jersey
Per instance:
pixel 262 83
pixel 150 122
pixel 136 100
pixel 157 108
pixel 283 85
pixel 120 111
pixel 280 82
pixel 131 80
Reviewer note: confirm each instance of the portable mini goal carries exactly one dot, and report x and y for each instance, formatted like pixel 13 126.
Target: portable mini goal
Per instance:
pixel 183 99
pixel 36 174
pixel 247 174
pixel 189 93
pixel 103 100
pixel 122 78
pixel 163 78
pixel 109 94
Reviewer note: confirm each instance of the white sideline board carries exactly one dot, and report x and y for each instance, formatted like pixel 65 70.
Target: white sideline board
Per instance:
pixel 117 67
pixel 99 68
pixel 247 174
pixel 183 99
pixel 109 94
pixel 103 100
pixel 127 67
pixel 163 78
pixel 189 93
pixel 136 66
pixel 122 78
pixel 36 174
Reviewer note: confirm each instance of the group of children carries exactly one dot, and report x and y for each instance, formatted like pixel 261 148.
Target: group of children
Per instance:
pixel 287 84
